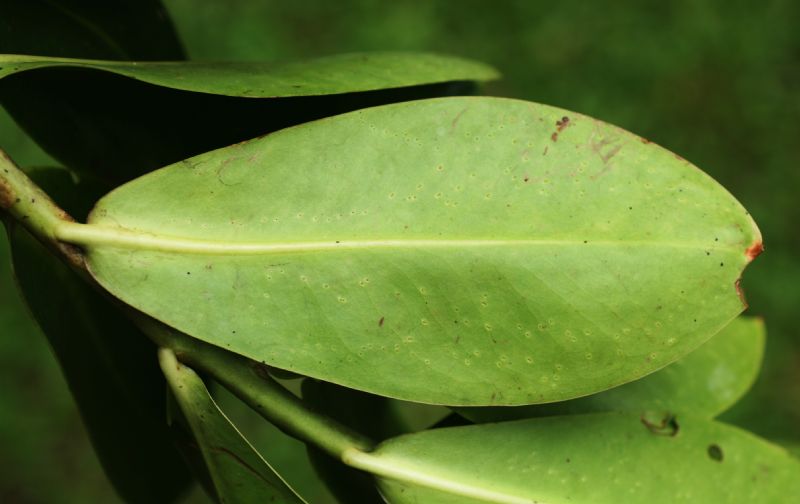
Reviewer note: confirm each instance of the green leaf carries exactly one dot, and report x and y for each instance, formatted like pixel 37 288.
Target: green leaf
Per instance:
pixel 463 251
pixel 140 30
pixel 238 472
pixel 598 458
pixel 344 73
pixel 117 127
pixel 109 365
pixel 705 383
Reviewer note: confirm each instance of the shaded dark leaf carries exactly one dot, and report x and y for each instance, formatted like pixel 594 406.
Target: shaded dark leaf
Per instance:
pixel 111 368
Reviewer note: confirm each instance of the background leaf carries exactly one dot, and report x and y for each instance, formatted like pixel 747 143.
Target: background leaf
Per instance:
pixel 705 383
pixel 110 366
pixel 140 30
pixel 344 73
pixel 238 472
pixel 598 458
pixel 446 251
pixel 117 128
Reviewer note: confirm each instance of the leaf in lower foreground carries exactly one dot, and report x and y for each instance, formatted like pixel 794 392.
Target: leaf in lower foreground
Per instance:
pixel 598 458
pixel 705 383
pixel 462 251
pixel 237 471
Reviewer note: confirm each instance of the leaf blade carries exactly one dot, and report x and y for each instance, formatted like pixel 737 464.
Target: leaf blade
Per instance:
pixel 356 250
pixel 346 73
pixel 238 472
pixel 704 383
pixel 603 457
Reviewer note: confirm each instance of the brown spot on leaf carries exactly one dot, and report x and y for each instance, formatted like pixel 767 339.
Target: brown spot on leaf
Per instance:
pixel 456 119
pixel 664 424
pixel 563 123
pixel 740 292
pixel 380 322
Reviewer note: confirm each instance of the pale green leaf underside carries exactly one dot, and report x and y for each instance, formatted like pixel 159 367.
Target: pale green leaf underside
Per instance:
pixel 705 383
pixel 344 73
pixel 237 471
pixel 599 458
pixel 458 251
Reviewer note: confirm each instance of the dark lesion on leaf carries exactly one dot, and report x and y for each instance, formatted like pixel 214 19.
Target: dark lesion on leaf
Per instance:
pixel 661 424
pixel 561 124
pixel 715 452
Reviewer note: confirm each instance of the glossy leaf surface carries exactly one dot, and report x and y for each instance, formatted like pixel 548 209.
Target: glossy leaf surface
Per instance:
pixel 237 471
pixel 599 458
pixel 463 251
pixel 338 74
pixel 110 366
pixel 705 383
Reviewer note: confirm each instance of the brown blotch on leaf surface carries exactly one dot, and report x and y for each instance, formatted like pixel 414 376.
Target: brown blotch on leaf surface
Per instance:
pixel 664 424
pixel 740 292
pixel 7 198
pixel 380 322
pixel 560 125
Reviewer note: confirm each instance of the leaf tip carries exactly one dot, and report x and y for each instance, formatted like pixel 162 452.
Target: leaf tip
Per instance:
pixel 754 250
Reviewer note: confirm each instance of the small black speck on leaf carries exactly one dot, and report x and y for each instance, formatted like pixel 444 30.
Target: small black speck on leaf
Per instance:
pixel 715 452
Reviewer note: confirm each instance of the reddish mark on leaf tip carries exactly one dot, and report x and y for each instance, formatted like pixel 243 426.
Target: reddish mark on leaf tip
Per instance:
pixel 754 250
pixel 380 322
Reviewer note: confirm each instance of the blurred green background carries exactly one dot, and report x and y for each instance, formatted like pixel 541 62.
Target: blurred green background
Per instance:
pixel 716 82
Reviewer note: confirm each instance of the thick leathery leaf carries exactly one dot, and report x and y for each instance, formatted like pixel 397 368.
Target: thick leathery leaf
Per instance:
pixel 705 383
pixel 599 458
pixel 237 471
pixel 345 73
pixel 119 128
pixel 110 366
pixel 463 251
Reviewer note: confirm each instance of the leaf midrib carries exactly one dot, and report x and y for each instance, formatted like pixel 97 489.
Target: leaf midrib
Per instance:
pixel 119 237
